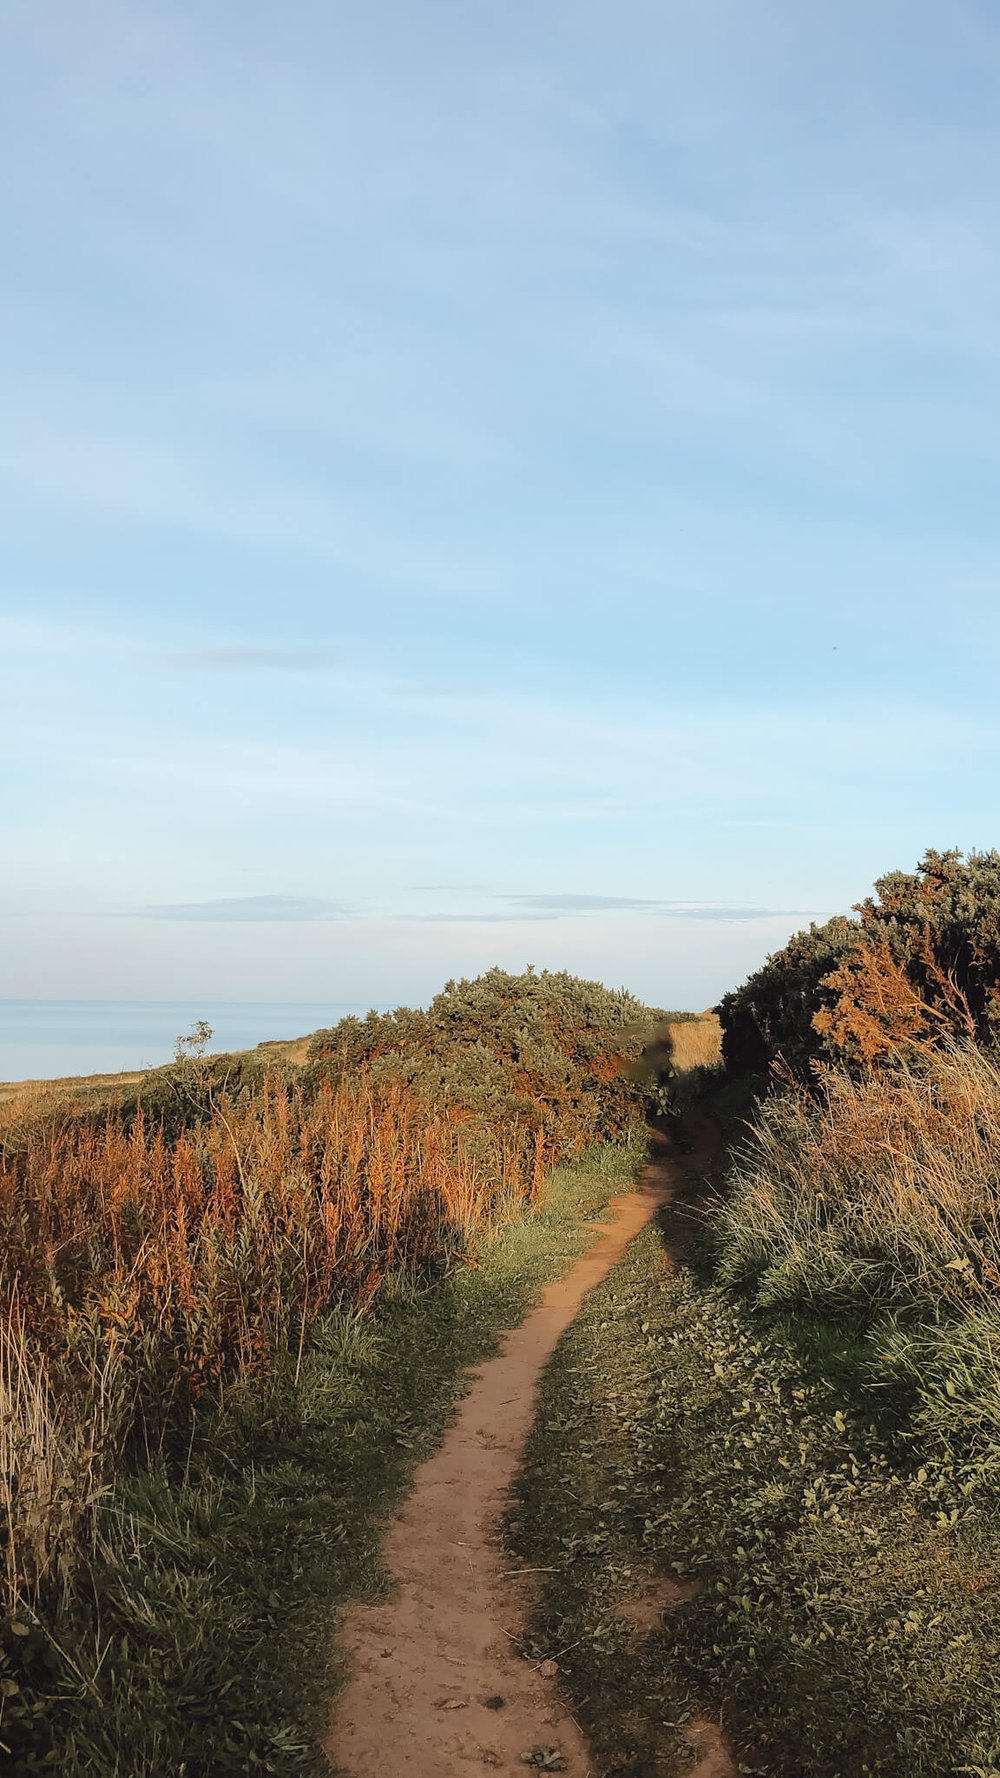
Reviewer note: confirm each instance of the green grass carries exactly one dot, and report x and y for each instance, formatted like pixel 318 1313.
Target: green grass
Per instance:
pixel 202 1646
pixel 849 1617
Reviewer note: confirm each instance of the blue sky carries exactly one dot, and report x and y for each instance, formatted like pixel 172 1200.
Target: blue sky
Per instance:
pixel 488 483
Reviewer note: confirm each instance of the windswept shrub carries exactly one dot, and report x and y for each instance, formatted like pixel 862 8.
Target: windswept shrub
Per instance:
pixel 545 1049
pixel 770 1018
pixel 926 967
pixel 919 967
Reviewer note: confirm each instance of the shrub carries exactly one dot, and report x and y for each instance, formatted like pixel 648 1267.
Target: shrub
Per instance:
pixel 545 1050
pixel 146 1261
pixel 919 967
pixel 770 1018
pixel 926 965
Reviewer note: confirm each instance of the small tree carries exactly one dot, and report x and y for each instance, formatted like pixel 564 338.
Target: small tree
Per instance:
pixel 192 1047
pixel 191 1075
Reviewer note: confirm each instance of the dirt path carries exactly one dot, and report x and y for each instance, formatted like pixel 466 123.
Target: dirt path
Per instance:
pixel 437 1686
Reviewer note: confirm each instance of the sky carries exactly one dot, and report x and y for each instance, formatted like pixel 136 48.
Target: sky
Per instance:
pixel 488 483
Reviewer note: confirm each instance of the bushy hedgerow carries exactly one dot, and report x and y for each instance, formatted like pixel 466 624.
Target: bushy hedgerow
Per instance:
pixel 543 1048
pixel 926 965
pixel 770 1018
pixel 918 967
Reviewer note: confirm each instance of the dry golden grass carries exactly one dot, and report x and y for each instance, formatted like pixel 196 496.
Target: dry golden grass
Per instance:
pixel 697 1043
pixel 53 1462
pixel 25 1100
pixel 884 1189
pixel 175 1234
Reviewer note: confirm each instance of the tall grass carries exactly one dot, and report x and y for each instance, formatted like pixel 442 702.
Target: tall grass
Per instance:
pixel 878 1200
pixel 883 1190
pixel 140 1273
pixel 696 1043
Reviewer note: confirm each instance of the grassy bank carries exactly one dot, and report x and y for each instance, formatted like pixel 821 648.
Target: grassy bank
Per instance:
pixel 201 1640
pixel 158 1259
pixel 765 1482
pixel 725 1528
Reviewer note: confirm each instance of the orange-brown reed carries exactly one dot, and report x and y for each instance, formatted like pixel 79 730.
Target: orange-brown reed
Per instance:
pixel 138 1273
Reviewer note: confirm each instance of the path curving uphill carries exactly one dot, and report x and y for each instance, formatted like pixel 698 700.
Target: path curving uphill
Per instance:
pixel 437 1688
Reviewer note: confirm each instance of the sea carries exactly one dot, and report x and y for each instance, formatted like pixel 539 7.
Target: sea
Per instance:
pixel 43 1039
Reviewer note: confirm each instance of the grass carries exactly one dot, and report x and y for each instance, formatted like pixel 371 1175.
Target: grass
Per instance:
pixel 847 1620
pixel 877 1190
pixel 201 1641
pixel 143 1276
pixel 696 1043
pixel 876 1202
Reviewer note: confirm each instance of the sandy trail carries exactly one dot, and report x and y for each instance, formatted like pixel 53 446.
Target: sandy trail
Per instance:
pixel 430 1664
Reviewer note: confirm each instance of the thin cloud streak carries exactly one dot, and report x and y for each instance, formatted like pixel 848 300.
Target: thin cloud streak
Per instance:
pixel 676 910
pixel 572 907
pixel 445 919
pixel 230 909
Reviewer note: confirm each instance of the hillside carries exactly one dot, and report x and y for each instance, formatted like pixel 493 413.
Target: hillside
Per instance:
pixel 764 1482
pixel 754 1522
pixel 82 1090
pixel 205 1270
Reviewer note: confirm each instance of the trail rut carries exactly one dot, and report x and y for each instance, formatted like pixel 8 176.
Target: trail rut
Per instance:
pixel 436 1684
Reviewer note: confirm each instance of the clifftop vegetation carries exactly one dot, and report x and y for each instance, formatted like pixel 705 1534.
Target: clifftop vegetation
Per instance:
pixel 545 1050
pixel 920 966
pixel 173 1256
pixel 776 1445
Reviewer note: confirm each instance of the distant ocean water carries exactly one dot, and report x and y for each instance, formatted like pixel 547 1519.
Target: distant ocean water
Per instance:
pixel 42 1039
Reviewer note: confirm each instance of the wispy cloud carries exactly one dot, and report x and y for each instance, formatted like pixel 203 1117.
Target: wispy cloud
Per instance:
pixel 229 909
pixel 448 919
pixel 710 910
pixel 515 909
pixel 238 658
pixel 582 904
pixel 448 889
pixel 677 910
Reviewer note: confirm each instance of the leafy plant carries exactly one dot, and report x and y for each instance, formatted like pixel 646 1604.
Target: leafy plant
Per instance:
pixel 920 966
pixel 545 1050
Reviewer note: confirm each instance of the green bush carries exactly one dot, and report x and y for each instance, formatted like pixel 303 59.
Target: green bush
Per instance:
pixel 769 1020
pixel 543 1049
pixel 919 966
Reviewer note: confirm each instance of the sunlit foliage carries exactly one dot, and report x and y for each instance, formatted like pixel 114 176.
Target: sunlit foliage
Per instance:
pixel 151 1257
pixel 919 966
